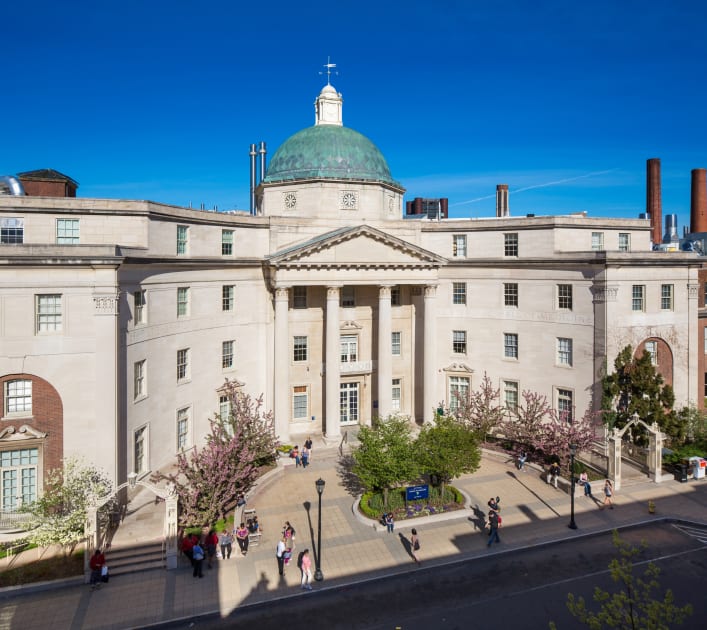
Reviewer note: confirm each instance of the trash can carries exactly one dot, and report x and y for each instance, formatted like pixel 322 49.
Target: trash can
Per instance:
pixel 680 473
pixel 698 465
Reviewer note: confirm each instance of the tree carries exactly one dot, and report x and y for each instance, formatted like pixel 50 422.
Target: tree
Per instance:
pixel 447 449
pixel 637 603
pixel 384 458
pixel 480 410
pixel 59 516
pixel 559 433
pixel 525 424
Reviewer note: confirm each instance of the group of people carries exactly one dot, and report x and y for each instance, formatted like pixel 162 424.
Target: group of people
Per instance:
pixel 303 457
pixel 199 548
pixel 494 520
pixel 283 554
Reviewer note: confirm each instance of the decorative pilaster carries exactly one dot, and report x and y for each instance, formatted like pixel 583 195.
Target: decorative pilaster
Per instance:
pixel 385 358
pixel 429 354
pixel 281 363
pixel 331 427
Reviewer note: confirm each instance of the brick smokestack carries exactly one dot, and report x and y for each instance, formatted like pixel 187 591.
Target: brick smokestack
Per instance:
pixel 698 204
pixel 654 205
pixel 502 209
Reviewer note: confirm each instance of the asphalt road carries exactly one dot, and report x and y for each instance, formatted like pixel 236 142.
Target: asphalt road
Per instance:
pixel 518 589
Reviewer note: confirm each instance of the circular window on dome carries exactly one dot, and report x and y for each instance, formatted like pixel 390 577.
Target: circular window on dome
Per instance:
pixel 290 200
pixel 348 200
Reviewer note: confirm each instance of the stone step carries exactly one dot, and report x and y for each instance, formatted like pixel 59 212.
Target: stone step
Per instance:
pixel 132 559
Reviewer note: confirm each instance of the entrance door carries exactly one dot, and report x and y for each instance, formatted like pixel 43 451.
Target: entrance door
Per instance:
pixel 348 403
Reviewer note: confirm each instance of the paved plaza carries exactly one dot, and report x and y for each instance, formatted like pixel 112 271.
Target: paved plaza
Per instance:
pixel 534 513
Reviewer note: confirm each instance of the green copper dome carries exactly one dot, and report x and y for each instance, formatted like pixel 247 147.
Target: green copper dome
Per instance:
pixel 328 152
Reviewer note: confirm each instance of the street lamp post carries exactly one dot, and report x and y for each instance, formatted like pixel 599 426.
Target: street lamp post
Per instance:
pixel 318 575
pixel 573 450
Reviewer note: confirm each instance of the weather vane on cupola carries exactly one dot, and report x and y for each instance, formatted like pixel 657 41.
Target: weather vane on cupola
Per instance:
pixel 328 65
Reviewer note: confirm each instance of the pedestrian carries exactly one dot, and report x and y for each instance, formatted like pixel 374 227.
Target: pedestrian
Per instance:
pixel 198 560
pixel 493 526
pixel 414 545
pixel 495 504
pixel 187 546
pixel 308 446
pixel 389 522
pixel 226 543
pixel 96 564
pixel 306 566
pixel 608 494
pixel 254 526
pixel 280 555
pixel 305 456
pixel 242 538
pixel 522 457
pixel 288 533
pixel 584 481
pixel 553 474
pixel 211 544
pixel 294 453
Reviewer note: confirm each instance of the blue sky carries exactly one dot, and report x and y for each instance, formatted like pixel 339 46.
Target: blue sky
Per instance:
pixel 562 101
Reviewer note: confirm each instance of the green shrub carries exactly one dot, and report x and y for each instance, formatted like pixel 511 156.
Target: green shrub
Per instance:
pixel 371 504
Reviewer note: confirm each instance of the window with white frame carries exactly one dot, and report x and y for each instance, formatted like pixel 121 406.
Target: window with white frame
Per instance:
pixel 395 295
pixel 597 241
pixel 183 416
pixel 226 242
pixel 510 244
pixel 140 450
pixel 299 297
pixel 565 404
pixel 300 348
pixel 396 343
pixel 396 395
pixel 459 246
pixel 18 477
pixel 182 239
pixel 140 379
pixel 624 242
pixel 182 301
pixel 140 307
pixel 459 293
pixel 564 351
pixel 182 364
pixel 458 391
pixel 12 230
pixel 348 296
pixel 227 354
pixel 564 297
pixel 666 297
pixel 228 297
pixel 48 313
pixel 300 402
pixel 224 407
pixel 349 348
pixel 638 297
pixel 459 341
pixel 651 348
pixel 510 345
pixel 18 397
pixel 510 294
pixel 510 394
pixel 67 231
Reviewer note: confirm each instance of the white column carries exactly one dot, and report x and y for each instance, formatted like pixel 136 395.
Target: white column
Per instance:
pixel 282 363
pixel 429 354
pixel 333 351
pixel 385 358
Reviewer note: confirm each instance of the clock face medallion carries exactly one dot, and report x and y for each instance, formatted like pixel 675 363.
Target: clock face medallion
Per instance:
pixel 348 200
pixel 290 200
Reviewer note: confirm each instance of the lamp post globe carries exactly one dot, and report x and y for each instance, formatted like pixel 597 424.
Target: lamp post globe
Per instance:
pixel 318 575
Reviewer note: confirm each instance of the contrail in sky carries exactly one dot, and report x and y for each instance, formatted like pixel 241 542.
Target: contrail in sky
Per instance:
pixel 545 185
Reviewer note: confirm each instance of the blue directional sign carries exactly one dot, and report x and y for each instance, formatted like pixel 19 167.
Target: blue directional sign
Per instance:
pixel 415 493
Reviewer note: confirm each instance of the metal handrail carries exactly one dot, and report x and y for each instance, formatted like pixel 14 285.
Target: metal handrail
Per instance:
pixel 344 438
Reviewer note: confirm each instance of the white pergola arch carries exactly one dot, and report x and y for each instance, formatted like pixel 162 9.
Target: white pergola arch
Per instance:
pixel 655 451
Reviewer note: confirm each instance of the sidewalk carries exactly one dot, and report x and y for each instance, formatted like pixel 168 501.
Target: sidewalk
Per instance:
pixel 533 513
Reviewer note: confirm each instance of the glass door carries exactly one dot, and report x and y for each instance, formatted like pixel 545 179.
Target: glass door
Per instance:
pixel 348 403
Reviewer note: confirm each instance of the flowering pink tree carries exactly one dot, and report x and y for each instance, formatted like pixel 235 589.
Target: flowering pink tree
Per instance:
pixel 559 433
pixel 525 425
pixel 480 410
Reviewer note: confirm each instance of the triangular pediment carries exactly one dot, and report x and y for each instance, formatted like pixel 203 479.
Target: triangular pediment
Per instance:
pixel 361 245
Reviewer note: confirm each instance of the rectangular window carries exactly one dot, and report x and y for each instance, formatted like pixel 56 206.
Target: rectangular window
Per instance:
pixel 228 297
pixel 226 242
pixel 349 348
pixel 299 297
pixel 510 345
pixel 651 347
pixel 565 404
pixel 348 296
pixel 140 307
pixel 182 364
pixel 395 298
pixel 666 297
pixel 396 395
pixel 459 341
pixel 12 231
pixel 638 294
pixel 183 428
pixel 139 379
pixel 300 348
pixel 48 313
pixel 624 242
pixel 227 351
pixel 564 351
pixel 140 451
pixel 18 397
pixel 705 384
pixel 300 403
pixel 224 407
pixel 705 338
pixel 458 292
pixel 597 241
pixel 564 297
pixel 510 294
pixel 67 231
pixel 458 391
pixel 510 244
pixel 18 477
pixel 396 341
pixel 182 239
pixel 459 246
pixel 510 394
pixel 182 301
pixel 348 403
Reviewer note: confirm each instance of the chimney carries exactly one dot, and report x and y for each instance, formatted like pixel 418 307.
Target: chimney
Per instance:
pixel 698 203
pixel 262 152
pixel 671 228
pixel 654 206
pixel 253 154
pixel 502 209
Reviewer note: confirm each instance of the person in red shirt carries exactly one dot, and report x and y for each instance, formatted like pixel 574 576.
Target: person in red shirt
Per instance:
pixel 187 546
pixel 96 564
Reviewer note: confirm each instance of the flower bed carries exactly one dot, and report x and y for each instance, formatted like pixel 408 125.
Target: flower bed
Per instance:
pixel 371 504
